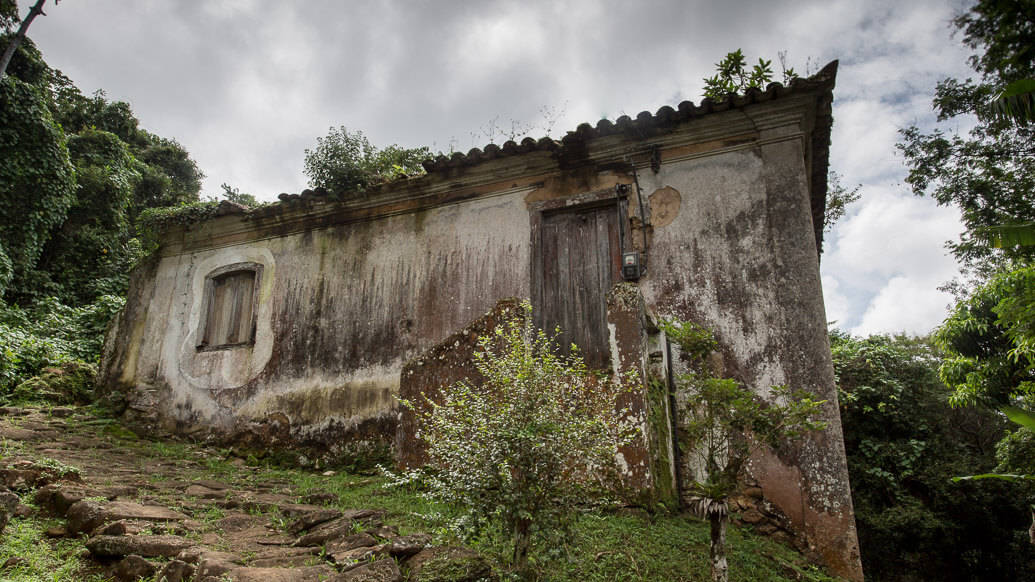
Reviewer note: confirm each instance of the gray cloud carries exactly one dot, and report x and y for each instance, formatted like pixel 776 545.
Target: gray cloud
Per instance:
pixel 247 85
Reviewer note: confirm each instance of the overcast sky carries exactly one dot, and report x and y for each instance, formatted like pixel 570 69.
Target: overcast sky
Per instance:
pixel 247 85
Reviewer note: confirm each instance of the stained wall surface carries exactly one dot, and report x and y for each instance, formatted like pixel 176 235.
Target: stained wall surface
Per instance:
pixel 721 205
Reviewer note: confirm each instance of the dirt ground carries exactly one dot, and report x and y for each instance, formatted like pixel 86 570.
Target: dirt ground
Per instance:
pixel 152 510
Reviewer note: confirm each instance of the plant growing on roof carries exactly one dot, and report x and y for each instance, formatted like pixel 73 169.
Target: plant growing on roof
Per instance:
pixel 345 161
pixel 520 451
pixel 733 76
pixel 723 421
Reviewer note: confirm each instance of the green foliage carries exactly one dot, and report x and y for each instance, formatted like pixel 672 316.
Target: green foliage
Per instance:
pixel 520 452
pixel 50 333
pixel 733 76
pixel 237 197
pixel 37 179
pixel 8 15
pixel 167 174
pixel 904 444
pixel 92 252
pixel 838 199
pixel 1016 452
pixel 345 162
pixel 154 220
pixel 989 341
pixel 1016 102
pixel 1003 30
pixel 43 559
pixel 75 172
pixel 6 270
pixel 989 174
pixel 70 383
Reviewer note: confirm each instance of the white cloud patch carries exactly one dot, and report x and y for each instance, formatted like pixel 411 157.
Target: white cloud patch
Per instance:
pixel 888 259
pixel 904 304
pixel 247 86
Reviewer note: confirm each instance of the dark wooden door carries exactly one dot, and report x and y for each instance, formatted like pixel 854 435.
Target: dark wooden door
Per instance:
pixel 580 260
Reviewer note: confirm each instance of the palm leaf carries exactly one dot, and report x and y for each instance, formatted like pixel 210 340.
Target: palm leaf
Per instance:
pixel 1016 102
pixel 1011 235
pixel 1002 476
pixel 1019 416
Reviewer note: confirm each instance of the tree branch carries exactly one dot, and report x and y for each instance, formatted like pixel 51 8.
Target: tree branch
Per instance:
pixel 36 10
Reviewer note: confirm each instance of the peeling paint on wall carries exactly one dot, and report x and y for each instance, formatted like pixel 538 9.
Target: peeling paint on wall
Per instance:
pixel 355 292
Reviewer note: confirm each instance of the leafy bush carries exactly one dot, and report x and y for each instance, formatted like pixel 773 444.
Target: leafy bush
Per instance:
pixel 990 341
pixel 345 161
pixel 50 333
pixel 70 383
pixel 904 443
pixel 519 452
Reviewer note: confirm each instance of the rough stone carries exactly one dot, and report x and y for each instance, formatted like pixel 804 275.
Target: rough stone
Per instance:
pixel 56 498
pixel 57 531
pixel 386 532
pixel 300 510
pixel 406 546
pixel 360 540
pixel 146 546
pixel 238 522
pixel 8 503
pixel 354 556
pixel 86 515
pixel 133 568
pixel 327 531
pixel 286 558
pixel 309 574
pixel 13 562
pixel 217 563
pixel 753 492
pixel 321 498
pixel 211 484
pixel 448 564
pixel 175 571
pixel 368 516
pixel 119 528
pixel 752 516
pixel 202 492
pixel 312 519
pixel 377 571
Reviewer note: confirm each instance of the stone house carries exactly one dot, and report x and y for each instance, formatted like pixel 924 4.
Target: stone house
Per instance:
pixel 296 326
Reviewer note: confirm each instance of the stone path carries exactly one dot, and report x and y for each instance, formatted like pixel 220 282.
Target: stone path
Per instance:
pixel 159 517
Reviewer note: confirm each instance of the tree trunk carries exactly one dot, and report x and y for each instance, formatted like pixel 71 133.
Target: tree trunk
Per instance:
pixel 35 11
pixel 720 569
pixel 522 541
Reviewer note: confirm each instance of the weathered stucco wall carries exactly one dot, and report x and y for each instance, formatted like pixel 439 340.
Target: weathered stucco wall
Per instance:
pixel 351 291
pixel 739 258
pixel 339 311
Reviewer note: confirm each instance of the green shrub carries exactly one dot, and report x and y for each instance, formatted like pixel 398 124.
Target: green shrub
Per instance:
pixel 70 383
pixel 516 454
pixel 904 443
pixel 48 334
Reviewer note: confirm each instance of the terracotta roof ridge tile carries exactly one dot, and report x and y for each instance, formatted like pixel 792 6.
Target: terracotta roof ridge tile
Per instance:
pixel 645 120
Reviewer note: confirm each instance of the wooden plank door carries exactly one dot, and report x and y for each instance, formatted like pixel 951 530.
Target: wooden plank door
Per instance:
pixel 580 261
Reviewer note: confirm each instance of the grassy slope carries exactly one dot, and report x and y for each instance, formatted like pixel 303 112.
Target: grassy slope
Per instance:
pixel 605 547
